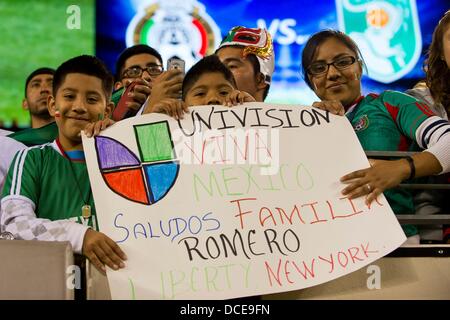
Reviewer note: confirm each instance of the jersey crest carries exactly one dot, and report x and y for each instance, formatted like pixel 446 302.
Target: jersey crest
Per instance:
pixel 362 123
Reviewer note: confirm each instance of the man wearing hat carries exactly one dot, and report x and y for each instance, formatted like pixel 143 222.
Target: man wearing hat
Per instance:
pixel 248 53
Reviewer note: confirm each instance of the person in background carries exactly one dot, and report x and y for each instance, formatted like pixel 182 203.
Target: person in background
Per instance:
pixel 38 89
pixel 38 86
pixel 421 91
pixel 36 136
pixel 248 53
pixel 142 66
pixel 435 92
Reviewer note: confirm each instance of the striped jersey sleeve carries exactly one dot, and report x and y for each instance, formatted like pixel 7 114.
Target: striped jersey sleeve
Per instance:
pixel 22 178
pixel 20 199
pixel 434 136
pixel 408 112
pixel 19 218
pixel 417 121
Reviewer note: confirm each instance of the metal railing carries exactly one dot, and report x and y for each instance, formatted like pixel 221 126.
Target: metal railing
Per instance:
pixel 411 218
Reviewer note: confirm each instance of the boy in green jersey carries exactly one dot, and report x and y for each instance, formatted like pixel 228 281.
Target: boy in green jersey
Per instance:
pixel 47 193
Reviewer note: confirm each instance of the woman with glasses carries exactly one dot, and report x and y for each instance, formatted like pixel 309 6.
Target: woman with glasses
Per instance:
pixel 390 121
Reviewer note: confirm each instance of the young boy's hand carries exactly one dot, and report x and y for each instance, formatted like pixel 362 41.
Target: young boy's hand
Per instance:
pixel 101 250
pixel 238 97
pixel 94 128
pixel 172 107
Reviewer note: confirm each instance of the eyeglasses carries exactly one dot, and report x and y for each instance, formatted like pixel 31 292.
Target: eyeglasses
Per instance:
pixel 341 63
pixel 137 71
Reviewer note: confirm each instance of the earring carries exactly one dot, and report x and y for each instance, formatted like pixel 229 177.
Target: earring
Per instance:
pixel 356 76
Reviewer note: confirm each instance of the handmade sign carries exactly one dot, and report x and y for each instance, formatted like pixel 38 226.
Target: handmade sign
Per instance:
pixel 233 202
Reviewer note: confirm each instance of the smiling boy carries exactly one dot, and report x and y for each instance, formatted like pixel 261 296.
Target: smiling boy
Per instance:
pixel 47 194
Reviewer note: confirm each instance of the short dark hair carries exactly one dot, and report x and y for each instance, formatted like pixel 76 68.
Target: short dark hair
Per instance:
pixel 88 65
pixel 209 64
pixel 37 72
pixel 310 48
pixel 133 51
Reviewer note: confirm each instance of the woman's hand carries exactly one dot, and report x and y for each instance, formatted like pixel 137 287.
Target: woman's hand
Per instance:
pixel 333 106
pixel 373 181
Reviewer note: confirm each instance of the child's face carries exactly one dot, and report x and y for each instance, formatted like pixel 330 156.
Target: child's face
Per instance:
pixel 79 100
pixel 210 88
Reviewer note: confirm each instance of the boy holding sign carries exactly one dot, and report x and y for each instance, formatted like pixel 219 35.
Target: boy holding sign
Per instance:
pixel 47 194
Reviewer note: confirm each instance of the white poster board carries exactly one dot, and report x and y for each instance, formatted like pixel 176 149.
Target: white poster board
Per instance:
pixel 233 202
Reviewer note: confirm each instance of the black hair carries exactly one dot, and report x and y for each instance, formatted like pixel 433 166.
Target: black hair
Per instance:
pixel 88 65
pixel 37 72
pixel 133 51
pixel 310 48
pixel 209 64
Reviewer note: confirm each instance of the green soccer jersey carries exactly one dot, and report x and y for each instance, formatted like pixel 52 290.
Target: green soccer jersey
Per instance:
pixel 36 136
pixel 56 186
pixel 388 122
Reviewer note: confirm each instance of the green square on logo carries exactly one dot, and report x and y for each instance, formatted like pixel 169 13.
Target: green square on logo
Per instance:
pixel 154 141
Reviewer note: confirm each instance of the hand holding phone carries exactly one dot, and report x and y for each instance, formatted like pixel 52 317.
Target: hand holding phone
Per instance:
pixel 122 111
pixel 176 63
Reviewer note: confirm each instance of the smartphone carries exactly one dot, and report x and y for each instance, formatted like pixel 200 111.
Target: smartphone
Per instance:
pixel 176 63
